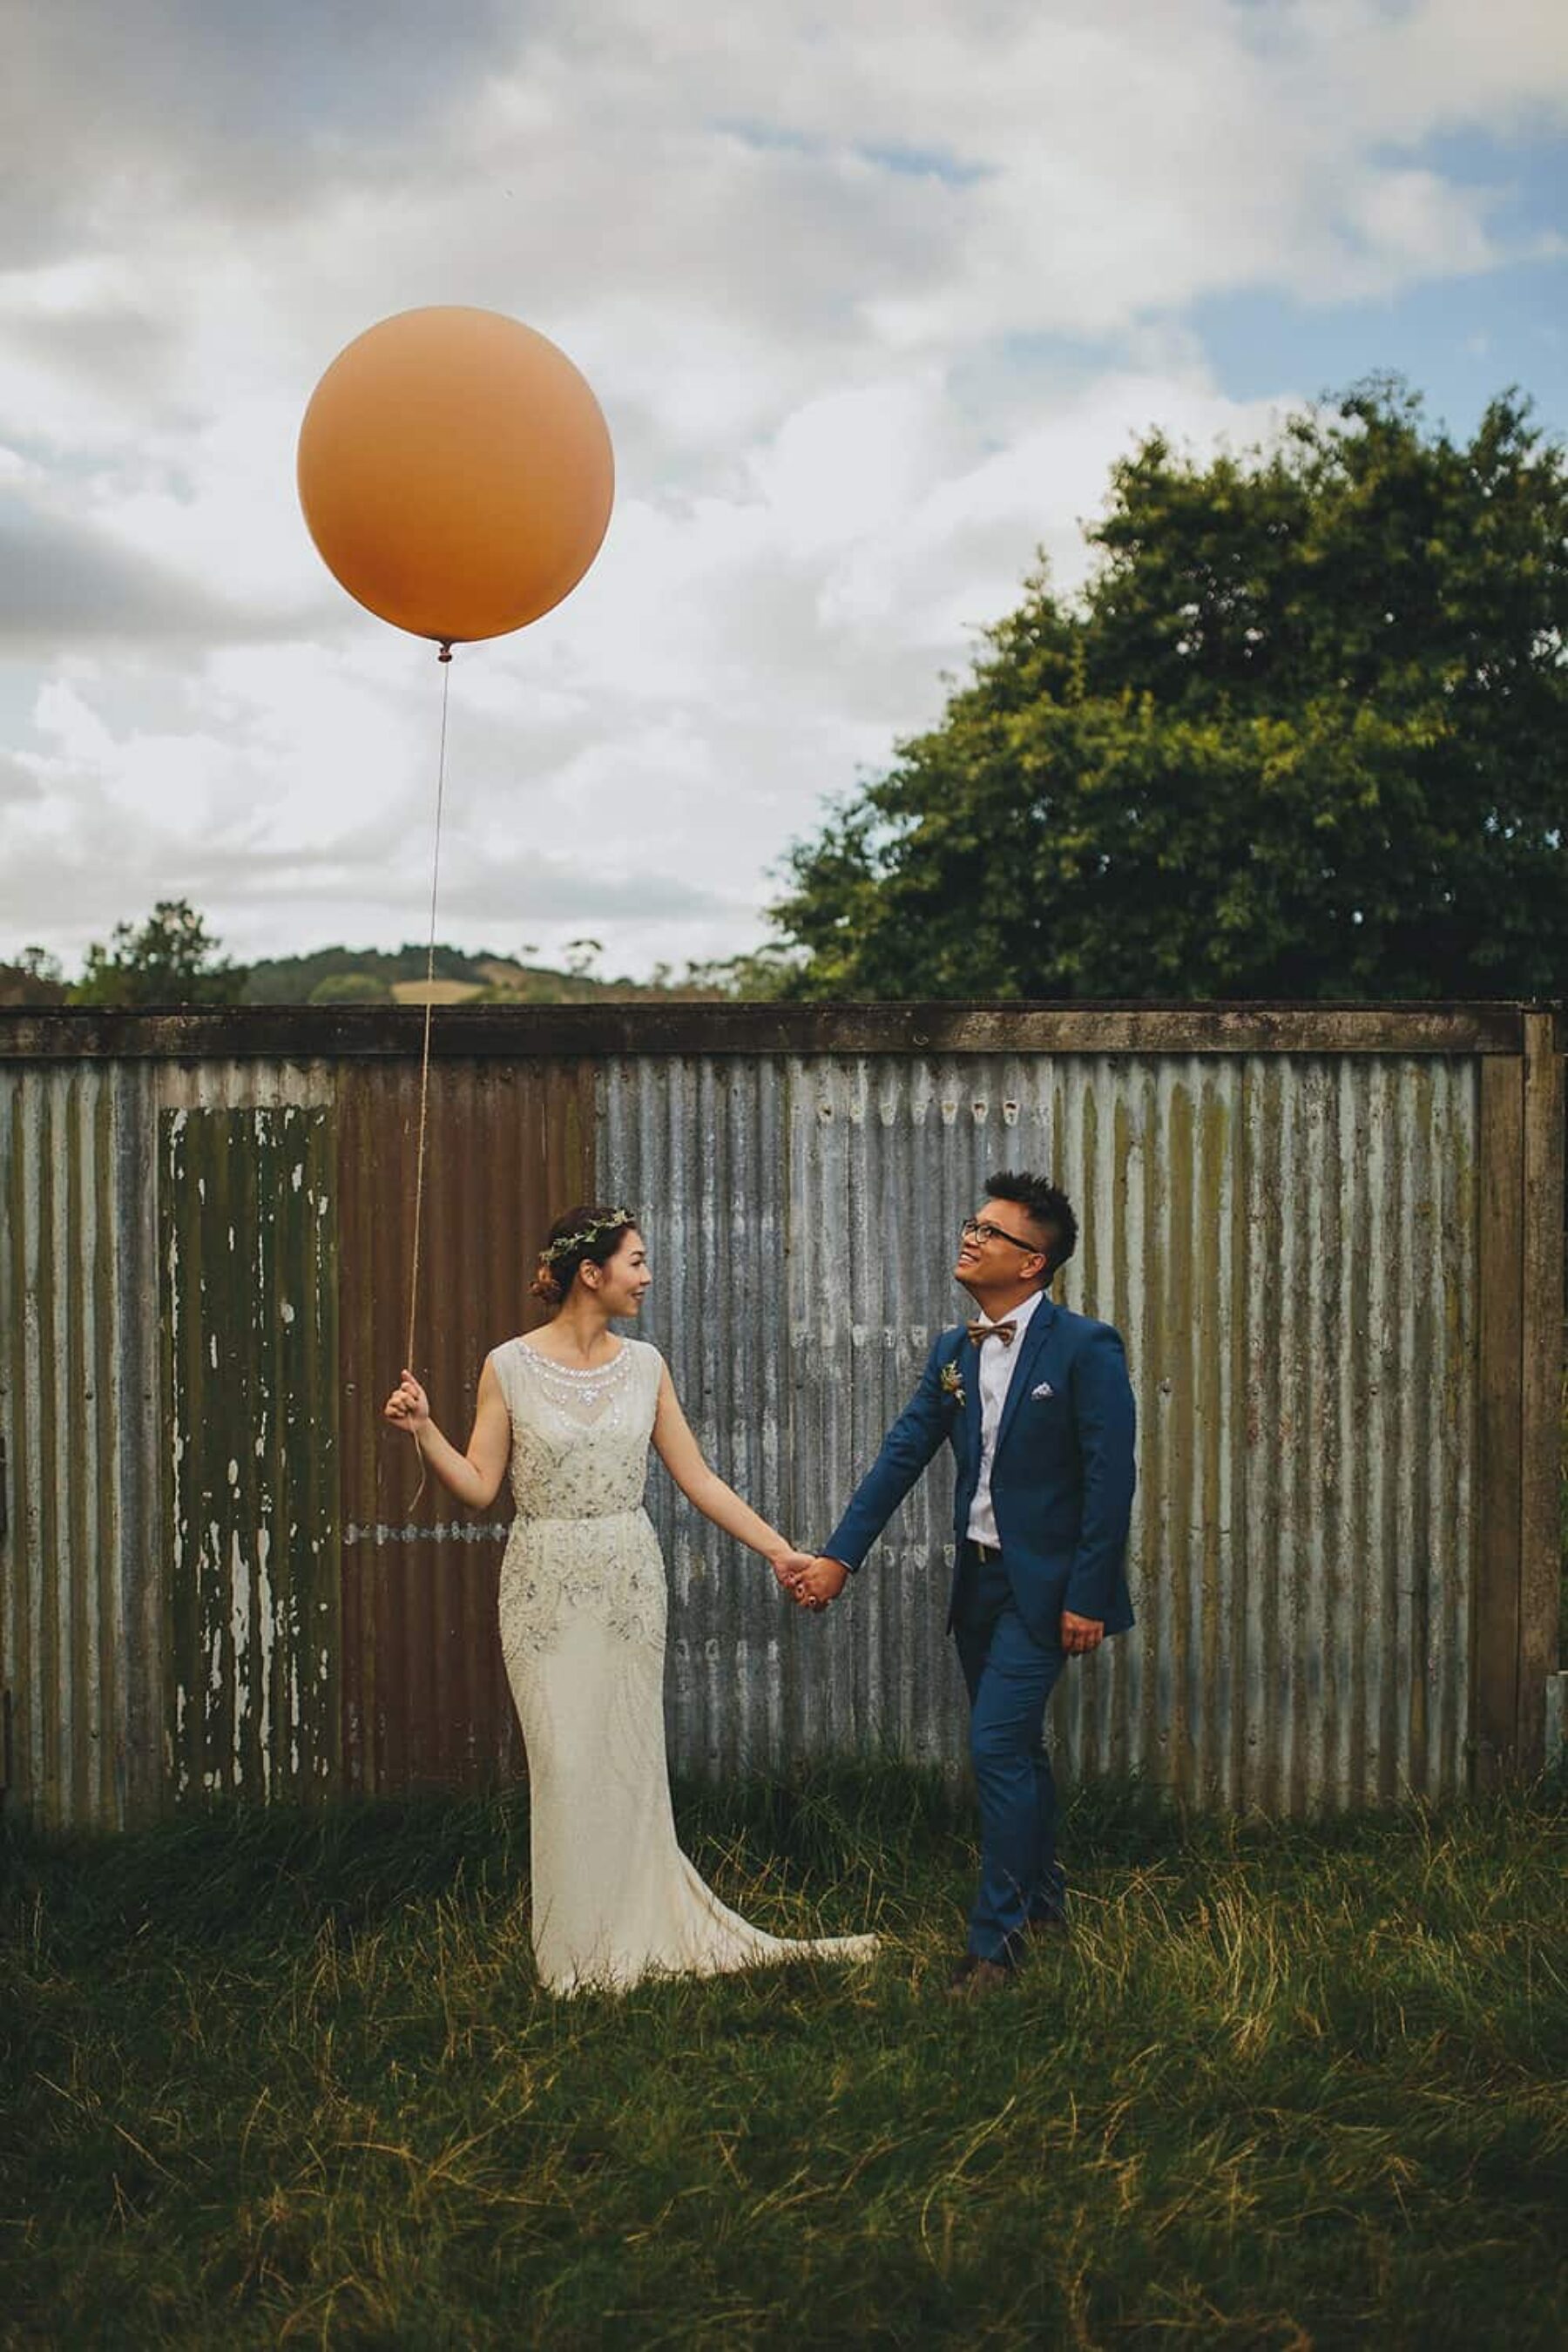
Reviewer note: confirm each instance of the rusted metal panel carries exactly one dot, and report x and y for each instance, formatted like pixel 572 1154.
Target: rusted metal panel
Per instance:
pixel 700 1150
pixel 248 1249
pixel 79 1594
pixel 1289 1248
pixel 800 1216
pixel 424 1696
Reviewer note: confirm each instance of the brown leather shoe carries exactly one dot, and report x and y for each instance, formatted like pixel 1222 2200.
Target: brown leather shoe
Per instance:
pixel 973 1976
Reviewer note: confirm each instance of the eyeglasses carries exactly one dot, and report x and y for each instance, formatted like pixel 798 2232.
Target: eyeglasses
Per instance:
pixel 973 1230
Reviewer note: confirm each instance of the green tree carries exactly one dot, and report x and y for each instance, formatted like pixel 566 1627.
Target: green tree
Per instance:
pixel 757 975
pixel 1303 735
pixel 171 958
pixel 34 978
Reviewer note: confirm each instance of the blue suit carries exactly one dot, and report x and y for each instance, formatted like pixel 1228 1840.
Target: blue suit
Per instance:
pixel 1062 1479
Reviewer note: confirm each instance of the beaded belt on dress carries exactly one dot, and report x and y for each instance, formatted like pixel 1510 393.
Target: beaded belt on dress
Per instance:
pixel 577 1518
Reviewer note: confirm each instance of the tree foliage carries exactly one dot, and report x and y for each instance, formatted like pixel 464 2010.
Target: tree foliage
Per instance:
pixel 34 979
pixel 171 958
pixel 1303 735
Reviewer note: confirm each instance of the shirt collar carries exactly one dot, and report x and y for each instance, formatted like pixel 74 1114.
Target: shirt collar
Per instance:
pixel 1018 1315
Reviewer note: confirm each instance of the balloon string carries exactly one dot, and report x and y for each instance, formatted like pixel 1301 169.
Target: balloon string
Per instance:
pixel 445 657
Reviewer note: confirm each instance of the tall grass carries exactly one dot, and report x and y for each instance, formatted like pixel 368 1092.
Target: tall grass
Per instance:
pixel 284 2079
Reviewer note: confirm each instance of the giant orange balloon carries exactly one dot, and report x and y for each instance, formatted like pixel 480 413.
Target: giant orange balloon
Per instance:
pixel 455 472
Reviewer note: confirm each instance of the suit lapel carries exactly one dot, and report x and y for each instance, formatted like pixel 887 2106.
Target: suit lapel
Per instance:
pixel 1018 1387
pixel 969 1372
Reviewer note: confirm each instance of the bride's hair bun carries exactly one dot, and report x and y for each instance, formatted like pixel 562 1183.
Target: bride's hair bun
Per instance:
pixel 546 1286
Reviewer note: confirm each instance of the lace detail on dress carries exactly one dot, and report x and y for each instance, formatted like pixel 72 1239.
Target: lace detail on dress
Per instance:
pixel 579 1439
pixel 581 1544
pixel 556 1570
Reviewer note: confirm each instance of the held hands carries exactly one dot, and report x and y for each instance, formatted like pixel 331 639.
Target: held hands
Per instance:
pixel 810 1580
pixel 813 1582
pixel 821 1582
pixel 407 1407
pixel 789 1566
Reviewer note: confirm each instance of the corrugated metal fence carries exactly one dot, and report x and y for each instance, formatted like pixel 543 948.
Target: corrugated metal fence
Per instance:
pixel 1331 1237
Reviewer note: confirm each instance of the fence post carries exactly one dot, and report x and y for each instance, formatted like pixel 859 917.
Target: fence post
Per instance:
pixel 1541 1448
pixel 1514 1638
pixel 1494 1620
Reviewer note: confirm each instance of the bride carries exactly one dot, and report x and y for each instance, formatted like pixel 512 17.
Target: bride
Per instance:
pixel 582 1603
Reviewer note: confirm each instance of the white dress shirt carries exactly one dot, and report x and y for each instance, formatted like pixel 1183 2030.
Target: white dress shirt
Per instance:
pixel 997 1365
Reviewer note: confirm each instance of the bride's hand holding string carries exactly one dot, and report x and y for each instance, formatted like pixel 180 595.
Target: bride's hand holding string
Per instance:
pixel 407 1407
pixel 474 1476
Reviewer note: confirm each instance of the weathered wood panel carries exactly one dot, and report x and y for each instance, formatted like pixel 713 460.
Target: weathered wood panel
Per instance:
pixel 249 1245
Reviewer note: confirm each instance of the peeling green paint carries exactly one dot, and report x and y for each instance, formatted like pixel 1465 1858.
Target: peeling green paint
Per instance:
pixel 247 1249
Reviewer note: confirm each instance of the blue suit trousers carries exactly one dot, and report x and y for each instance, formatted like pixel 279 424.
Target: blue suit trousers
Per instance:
pixel 1010 1677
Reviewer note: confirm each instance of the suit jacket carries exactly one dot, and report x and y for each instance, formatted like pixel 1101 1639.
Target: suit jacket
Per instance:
pixel 1062 1476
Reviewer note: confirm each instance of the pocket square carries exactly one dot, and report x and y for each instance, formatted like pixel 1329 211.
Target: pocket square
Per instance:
pixel 1045 1390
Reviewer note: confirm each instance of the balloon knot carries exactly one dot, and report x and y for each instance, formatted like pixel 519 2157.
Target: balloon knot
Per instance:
pixel 445 654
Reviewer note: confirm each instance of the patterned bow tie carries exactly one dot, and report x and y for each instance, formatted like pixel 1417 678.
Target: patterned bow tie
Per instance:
pixel 1003 1332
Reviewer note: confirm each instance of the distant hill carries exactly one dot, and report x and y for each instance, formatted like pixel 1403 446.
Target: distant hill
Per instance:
pixel 368 975
pixel 160 965
pixel 344 975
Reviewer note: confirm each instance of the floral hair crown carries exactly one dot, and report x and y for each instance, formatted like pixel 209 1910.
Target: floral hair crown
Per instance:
pixel 584 1235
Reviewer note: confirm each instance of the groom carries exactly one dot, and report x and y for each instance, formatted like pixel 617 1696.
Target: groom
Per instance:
pixel 1038 1408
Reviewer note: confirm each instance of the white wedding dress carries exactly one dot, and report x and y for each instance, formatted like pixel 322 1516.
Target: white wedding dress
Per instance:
pixel 583 1605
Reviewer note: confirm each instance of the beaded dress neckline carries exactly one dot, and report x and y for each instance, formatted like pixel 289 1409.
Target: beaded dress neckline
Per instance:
pixel 584 1372
pixel 583 1384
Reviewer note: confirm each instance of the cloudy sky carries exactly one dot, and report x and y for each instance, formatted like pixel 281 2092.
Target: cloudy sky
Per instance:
pixel 871 295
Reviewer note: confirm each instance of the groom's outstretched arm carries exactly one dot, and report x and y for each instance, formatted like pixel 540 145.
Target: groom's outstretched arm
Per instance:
pixel 1107 1431
pixel 906 1448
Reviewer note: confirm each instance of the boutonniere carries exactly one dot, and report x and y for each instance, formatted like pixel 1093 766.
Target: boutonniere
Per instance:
pixel 952 1383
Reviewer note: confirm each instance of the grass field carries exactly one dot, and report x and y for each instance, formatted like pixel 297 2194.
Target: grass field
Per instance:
pixel 291 2080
